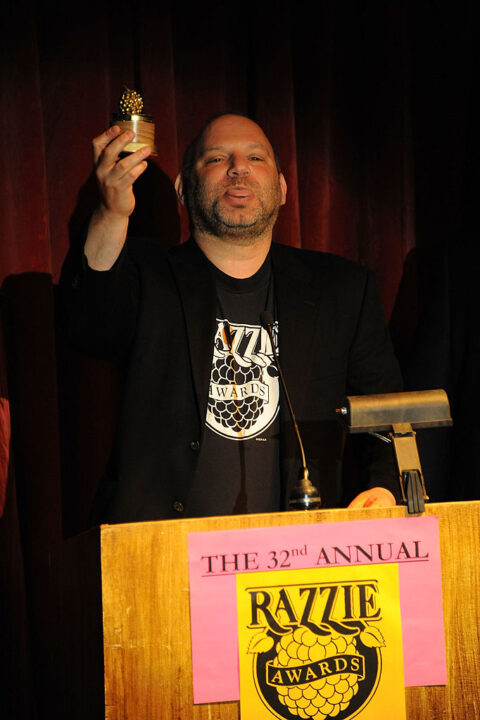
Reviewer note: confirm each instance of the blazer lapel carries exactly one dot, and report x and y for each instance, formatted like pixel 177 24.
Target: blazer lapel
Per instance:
pixel 197 292
pixel 297 309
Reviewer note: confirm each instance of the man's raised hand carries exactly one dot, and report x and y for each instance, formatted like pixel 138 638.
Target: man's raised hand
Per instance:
pixel 116 176
pixel 108 227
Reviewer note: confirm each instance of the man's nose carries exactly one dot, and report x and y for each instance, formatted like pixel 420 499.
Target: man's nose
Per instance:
pixel 238 166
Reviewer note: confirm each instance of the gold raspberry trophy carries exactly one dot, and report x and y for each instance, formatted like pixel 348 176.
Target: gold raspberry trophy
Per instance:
pixel 131 117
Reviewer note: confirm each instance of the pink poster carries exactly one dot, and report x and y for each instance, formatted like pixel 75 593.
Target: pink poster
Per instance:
pixel 216 557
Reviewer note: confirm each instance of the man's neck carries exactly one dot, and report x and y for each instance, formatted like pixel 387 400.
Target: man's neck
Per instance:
pixel 231 256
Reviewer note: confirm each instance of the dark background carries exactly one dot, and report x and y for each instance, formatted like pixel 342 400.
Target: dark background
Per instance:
pixel 372 108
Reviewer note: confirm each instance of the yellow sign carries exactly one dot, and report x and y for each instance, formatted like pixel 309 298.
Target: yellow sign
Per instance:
pixel 321 643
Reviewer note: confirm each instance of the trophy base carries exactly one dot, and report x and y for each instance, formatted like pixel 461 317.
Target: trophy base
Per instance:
pixel 143 127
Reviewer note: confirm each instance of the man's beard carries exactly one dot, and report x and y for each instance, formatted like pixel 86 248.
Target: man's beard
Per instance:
pixel 210 217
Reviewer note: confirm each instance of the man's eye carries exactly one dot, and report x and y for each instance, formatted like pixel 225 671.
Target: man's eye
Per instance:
pixel 256 158
pixel 214 160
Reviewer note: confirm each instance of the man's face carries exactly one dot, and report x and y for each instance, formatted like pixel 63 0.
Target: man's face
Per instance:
pixel 236 187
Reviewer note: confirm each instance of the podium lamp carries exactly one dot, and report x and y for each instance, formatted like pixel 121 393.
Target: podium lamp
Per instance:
pixel 399 415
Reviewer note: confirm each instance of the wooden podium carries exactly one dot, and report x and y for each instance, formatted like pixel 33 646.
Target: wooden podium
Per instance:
pixel 116 630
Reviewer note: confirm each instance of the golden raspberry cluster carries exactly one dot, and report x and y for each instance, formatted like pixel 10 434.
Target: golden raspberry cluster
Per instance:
pixel 131 103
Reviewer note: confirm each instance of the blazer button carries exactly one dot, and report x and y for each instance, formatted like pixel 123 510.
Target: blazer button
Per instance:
pixel 195 445
pixel 178 506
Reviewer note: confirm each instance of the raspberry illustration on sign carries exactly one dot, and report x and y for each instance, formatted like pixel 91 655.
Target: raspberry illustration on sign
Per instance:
pixel 243 393
pixel 317 674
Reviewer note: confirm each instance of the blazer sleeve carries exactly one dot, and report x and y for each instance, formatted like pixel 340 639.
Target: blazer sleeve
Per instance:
pixel 98 309
pixel 372 369
pixel 372 365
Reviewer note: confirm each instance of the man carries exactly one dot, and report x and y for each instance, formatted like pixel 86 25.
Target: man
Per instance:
pixel 202 429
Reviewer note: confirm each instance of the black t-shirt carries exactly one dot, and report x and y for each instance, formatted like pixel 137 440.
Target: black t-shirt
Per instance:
pixel 239 457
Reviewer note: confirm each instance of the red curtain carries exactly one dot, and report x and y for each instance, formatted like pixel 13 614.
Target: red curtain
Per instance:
pixel 369 105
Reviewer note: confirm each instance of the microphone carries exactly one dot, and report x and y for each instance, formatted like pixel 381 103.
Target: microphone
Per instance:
pixel 304 495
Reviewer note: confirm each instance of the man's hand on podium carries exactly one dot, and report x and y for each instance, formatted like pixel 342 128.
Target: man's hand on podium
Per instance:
pixel 374 498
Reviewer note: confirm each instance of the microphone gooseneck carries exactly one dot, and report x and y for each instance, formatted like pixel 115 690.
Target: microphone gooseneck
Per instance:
pixel 304 495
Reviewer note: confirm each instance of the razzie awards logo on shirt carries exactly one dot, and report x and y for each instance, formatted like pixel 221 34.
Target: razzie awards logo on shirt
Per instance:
pixel 243 393
pixel 327 648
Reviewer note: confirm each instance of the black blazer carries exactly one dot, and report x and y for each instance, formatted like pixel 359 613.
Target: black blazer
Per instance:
pixel 155 312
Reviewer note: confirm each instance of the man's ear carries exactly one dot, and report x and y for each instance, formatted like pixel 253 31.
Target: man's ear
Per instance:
pixel 283 189
pixel 179 188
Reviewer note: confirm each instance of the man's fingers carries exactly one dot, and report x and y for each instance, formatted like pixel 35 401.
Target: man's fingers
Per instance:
pixel 108 146
pixel 129 177
pixel 111 152
pixel 100 143
pixel 125 166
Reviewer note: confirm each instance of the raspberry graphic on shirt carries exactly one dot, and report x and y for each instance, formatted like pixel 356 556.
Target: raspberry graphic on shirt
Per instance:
pixel 237 413
pixel 243 393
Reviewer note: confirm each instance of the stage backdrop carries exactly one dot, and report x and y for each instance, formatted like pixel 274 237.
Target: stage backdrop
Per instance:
pixel 370 106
